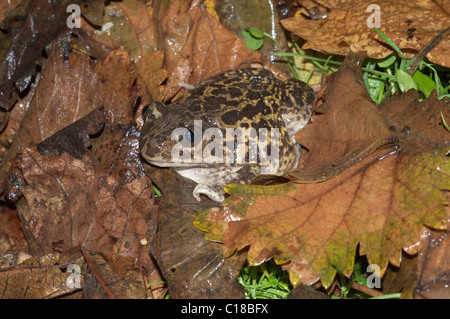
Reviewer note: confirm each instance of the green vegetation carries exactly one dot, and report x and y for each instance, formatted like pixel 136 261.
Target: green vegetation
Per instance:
pixel 382 77
pixel 266 281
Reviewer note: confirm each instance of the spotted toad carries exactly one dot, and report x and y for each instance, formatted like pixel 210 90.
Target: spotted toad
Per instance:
pixel 228 129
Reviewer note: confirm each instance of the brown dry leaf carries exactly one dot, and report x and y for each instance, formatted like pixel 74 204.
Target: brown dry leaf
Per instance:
pixel 118 91
pixel 210 49
pixel 411 25
pixel 72 200
pixel 381 201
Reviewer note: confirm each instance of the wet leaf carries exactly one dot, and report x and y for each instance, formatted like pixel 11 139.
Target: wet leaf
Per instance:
pixel 30 27
pixel 131 27
pixel 259 17
pixel 433 265
pixel 345 29
pixel 113 276
pixel 194 268
pixel 67 92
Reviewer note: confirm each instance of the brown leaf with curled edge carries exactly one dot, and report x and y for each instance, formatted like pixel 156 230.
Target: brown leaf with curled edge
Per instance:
pixel 380 198
pixel 410 25
pixel 433 266
pixel 341 138
pixel 210 49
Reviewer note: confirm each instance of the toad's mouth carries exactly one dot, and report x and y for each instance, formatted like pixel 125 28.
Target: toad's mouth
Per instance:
pixel 189 164
pixel 171 163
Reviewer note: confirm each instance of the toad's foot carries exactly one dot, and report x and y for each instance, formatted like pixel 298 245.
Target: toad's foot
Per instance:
pixel 216 194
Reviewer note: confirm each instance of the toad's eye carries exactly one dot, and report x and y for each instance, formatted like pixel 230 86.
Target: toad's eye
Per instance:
pixel 147 113
pixel 189 135
pixel 144 111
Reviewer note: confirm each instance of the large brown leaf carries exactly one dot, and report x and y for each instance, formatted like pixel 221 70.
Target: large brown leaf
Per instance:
pixel 210 49
pixel 74 201
pixel 411 25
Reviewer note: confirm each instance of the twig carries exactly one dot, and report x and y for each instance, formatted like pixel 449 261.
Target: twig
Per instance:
pixel 366 290
pixel 430 46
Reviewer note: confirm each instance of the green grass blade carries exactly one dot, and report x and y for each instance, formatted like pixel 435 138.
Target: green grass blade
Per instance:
pixel 389 41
